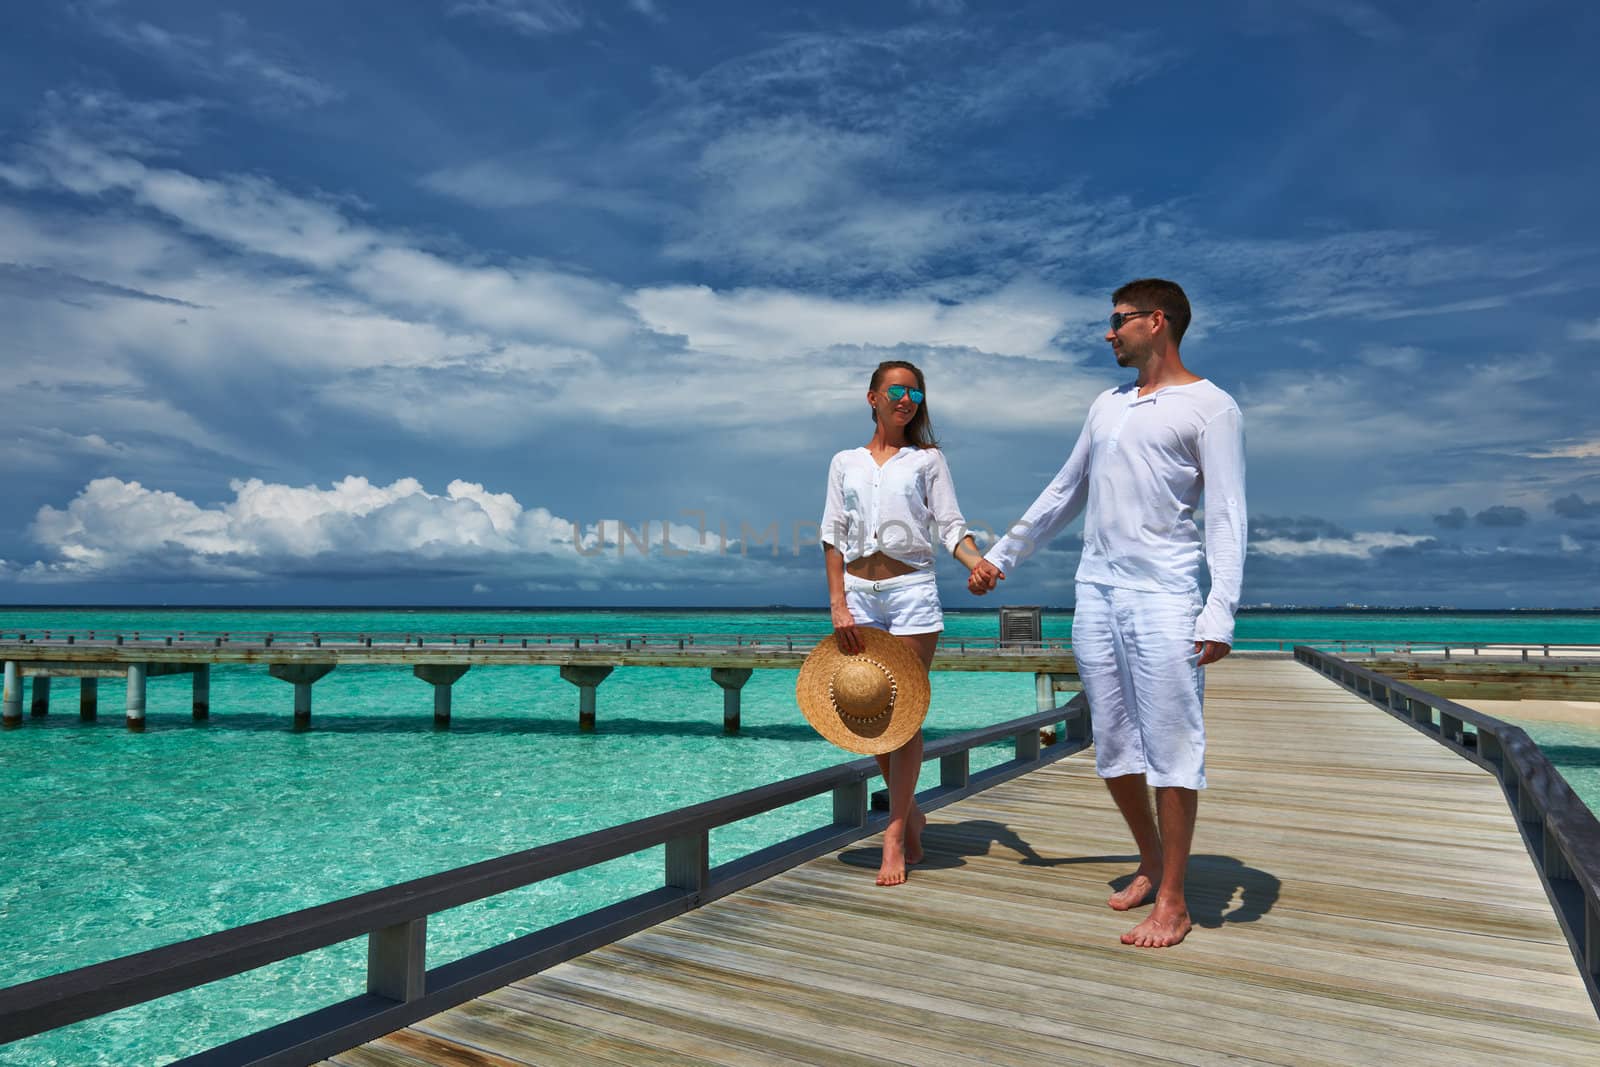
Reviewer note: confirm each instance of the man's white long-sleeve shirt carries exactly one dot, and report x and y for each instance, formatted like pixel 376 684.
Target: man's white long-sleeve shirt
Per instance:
pixel 1138 470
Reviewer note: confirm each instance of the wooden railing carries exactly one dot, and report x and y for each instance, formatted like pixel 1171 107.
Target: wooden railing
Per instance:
pixel 788 641
pixel 1561 832
pixel 201 639
pixel 400 987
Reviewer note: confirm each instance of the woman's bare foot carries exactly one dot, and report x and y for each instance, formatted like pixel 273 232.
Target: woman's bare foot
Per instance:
pixel 917 823
pixel 893 871
pixel 1165 927
pixel 1142 890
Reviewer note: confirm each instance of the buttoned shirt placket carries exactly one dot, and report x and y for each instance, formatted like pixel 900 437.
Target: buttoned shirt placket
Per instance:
pixel 877 495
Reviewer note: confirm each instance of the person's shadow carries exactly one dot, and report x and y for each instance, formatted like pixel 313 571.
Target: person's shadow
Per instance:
pixel 1213 885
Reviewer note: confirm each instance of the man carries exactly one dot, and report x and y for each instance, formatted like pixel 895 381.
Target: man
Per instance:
pixel 1139 631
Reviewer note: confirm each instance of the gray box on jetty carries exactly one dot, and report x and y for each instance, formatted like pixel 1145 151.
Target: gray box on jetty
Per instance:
pixel 1021 626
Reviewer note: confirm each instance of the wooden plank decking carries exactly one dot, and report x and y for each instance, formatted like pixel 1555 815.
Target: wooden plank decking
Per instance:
pixel 1361 895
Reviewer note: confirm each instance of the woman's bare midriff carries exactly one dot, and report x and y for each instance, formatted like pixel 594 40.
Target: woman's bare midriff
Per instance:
pixel 876 567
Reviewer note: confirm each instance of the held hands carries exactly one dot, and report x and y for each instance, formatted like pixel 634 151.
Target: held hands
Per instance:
pixel 1211 651
pixel 844 631
pixel 985 576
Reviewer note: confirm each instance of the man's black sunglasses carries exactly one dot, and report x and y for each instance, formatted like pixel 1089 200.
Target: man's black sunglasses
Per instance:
pixel 1120 317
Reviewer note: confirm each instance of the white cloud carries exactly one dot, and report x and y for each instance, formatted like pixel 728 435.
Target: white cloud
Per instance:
pixel 1572 449
pixel 117 528
pixel 255 216
pixel 940 7
pixel 1584 331
pixel 1356 546
pixel 498 184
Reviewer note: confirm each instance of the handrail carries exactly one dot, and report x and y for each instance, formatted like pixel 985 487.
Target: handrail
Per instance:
pixel 1561 832
pixel 434 639
pixel 401 989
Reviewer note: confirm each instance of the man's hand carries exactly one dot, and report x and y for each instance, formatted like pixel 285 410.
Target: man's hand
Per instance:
pixel 984 577
pixel 1211 651
pixel 844 632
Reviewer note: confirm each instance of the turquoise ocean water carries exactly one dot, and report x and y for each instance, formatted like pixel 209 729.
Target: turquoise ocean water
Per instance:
pixel 117 842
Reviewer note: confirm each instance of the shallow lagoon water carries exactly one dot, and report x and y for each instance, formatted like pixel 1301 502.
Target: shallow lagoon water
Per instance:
pixel 119 842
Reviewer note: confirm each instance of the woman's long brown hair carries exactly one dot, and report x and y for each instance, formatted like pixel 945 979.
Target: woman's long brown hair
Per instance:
pixel 919 431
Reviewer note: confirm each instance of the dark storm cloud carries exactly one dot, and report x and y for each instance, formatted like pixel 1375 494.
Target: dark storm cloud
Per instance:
pixel 1502 515
pixel 1573 506
pixel 1454 519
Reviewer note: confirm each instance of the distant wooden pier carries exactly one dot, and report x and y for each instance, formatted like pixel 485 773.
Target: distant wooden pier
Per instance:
pixel 585 660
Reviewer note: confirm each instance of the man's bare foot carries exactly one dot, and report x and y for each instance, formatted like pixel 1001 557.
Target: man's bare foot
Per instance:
pixel 916 824
pixel 893 871
pixel 1142 890
pixel 1164 928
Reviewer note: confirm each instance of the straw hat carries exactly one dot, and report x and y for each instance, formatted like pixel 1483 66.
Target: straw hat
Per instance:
pixel 870 703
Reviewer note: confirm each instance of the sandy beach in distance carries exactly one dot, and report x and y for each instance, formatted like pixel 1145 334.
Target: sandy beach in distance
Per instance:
pixel 1571 712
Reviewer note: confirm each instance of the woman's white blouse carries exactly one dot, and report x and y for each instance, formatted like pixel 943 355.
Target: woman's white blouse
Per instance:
pixel 899 509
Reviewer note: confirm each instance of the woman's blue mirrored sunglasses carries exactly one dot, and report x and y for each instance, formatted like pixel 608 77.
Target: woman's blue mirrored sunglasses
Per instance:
pixel 895 392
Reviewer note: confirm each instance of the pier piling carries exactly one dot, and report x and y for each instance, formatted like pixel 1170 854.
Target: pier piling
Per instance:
pixel 303 675
pixel 88 699
pixel 41 696
pixel 202 692
pixel 12 714
pixel 441 676
pixel 732 680
pixel 586 679
pixel 135 712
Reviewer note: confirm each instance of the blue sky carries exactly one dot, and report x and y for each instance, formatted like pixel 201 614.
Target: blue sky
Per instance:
pixel 327 303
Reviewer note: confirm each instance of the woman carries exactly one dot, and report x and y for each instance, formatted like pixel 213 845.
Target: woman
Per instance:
pixel 888 504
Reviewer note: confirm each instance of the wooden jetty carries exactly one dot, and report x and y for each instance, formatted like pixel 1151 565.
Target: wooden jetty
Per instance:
pixel 585 660
pixel 1379 874
pixel 1361 892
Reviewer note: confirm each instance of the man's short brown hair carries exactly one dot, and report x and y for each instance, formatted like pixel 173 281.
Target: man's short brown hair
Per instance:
pixel 1148 293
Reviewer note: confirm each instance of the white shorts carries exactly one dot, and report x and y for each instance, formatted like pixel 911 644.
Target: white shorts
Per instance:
pixel 907 604
pixel 1143 681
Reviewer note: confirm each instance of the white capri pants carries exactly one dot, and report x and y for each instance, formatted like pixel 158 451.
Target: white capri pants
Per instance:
pixel 1144 683
pixel 907 604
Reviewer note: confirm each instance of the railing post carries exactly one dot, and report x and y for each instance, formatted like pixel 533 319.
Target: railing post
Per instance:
pixel 955 769
pixel 1079 725
pixel 1555 862
pixel 1028 744
pixel 1450 727
pixel 397 960
pixel 850 803
pixel 1591 939
pixel 1489 748
pixel 689 862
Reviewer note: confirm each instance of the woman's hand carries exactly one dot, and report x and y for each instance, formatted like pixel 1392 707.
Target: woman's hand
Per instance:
pixel 983 578
pixel 844 631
